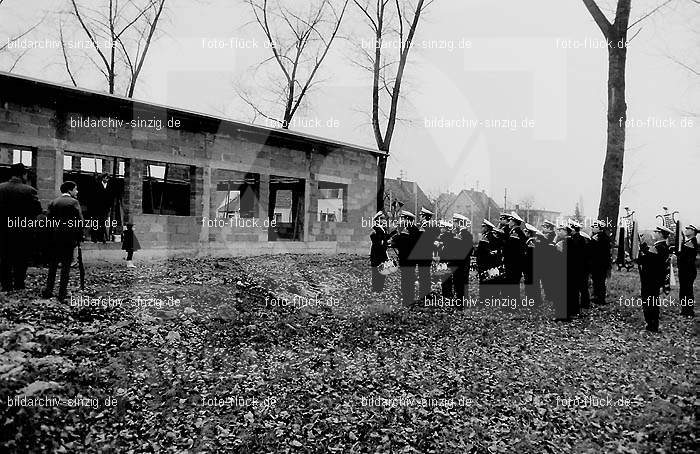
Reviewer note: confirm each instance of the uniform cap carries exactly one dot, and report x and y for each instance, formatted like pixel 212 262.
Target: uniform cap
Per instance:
pixel 585 235
pixel 488 224
pixel 573 224
pixel 548 224
pixel 663 229
pixel 459 217
pixel 379 213
pixel 532 228
pixel 515 216
pixel 504 215
pixel 691 226
pixel 423 211
pixel 407 214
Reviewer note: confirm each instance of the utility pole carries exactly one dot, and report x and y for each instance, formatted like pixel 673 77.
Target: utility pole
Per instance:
pixel 505 199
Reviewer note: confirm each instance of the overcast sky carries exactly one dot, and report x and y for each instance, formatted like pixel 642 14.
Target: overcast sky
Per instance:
pixel 511 61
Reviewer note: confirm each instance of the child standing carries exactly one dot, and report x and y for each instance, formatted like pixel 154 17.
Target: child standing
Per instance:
pixel 130 244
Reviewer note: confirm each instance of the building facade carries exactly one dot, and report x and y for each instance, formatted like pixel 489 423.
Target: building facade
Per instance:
pixel 188 181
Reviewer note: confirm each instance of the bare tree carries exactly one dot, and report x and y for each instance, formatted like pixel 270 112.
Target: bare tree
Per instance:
pixel 389 21
pixel 6 47
pixel 615 33
pixel 299 42
pixel 119 34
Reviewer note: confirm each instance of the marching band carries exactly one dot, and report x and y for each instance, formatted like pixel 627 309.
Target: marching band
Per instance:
pixel 555 264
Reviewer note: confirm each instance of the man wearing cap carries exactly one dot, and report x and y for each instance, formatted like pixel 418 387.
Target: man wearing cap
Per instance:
pixel 513 257
pixel 504 223
pixel 404 242
pixel 653 264
pixel 579 256
pixel 601 264
pixel 486 259
pixel 460 247
pixel 377 254
pixel 531 263
pixel 562 298
pixel 548 229
pixel 18 204
pixel 423 252
pixel 687 270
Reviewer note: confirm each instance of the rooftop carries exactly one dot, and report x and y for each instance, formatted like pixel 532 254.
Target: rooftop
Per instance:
pixel 27 89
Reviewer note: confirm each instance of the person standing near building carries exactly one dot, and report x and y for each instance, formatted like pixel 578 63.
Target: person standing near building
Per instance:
pixel 65 213
pixel 687 270
pixel 18 203
pixel 130 244
pixel 601 264
pixel 378 251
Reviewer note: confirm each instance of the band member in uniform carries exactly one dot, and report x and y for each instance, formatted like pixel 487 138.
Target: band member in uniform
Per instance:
pixel 687 270
pixel 425 247
pixel 405 242
pixel 652 262
pixel 531 273
pixel 563 308
pixel 575 262
pixel 486 259
pixel 546 258
pixel 18 201
pixel 504 223
pixel 446 250
pixel 549 230
pixel 513 257
pixel 463 250
pixel 601 263
pixel 377 254
pixel 582 265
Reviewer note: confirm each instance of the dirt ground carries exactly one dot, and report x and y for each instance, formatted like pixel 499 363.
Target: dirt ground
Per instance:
pixel 294 354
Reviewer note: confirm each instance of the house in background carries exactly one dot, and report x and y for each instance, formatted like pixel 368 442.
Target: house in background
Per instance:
pixel 407 192
pixel 476 205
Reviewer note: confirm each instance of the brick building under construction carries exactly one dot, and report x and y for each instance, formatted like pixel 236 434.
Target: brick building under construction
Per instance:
pixel 189 181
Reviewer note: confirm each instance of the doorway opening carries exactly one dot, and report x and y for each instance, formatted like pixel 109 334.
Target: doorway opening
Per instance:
pixel 286 209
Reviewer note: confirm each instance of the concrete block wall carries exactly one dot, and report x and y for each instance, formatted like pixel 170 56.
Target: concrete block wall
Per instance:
pixel 44 124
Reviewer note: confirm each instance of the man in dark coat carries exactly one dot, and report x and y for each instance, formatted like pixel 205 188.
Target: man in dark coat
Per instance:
pixel 404 242
pixel 601 263
pixel 514 257
pixel 423 252
pixel 575 263
pixel 687 270
pixel 654 274
pixel 463 255
pixel 377 254
pixel 487 257
pixel 582 257
pixel 561 297
pixel 101 204
pixel 67 218
pixel 19 205
pixel 531 264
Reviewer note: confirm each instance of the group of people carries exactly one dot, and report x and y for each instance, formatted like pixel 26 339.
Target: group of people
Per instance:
pixel 22 221
pixel 557 263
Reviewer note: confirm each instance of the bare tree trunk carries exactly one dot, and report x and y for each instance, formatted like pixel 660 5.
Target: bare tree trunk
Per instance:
pixel 614 156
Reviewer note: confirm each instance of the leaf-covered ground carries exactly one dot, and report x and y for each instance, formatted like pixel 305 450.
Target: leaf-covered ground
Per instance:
pixel 213 355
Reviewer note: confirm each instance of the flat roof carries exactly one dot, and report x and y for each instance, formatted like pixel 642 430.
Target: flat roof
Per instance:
pixel 279 133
